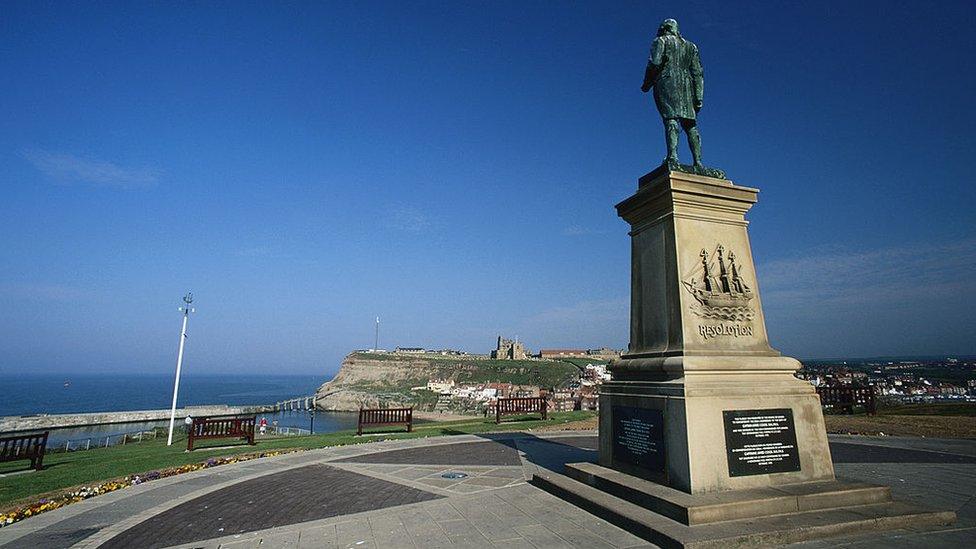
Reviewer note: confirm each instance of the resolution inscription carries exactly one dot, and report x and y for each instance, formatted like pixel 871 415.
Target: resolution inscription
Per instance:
pixel 732 330
pixel 760 442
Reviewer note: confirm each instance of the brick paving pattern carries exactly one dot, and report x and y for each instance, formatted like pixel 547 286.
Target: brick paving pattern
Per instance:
pixel 501 452
pixel 393 494
pixel 298 495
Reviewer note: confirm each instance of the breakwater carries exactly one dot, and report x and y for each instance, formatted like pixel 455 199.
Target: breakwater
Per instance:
pixel 62 421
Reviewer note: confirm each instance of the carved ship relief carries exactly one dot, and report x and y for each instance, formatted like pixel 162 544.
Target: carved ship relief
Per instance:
pixel 718 288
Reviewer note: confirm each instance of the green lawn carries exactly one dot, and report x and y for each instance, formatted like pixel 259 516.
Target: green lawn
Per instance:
pixel 62 471
pixel 582 362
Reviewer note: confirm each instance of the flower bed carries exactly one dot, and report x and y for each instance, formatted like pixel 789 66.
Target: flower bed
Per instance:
pixel 85 492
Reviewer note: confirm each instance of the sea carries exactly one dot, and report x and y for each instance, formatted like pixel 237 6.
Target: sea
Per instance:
pixel 59 394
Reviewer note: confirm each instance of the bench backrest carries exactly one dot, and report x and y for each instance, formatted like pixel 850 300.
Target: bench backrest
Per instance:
pixel 13 448
pixel 219 427
pixel 385 416
pixel 527 405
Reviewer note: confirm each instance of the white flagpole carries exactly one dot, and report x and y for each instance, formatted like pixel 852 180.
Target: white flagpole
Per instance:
pixel 188 298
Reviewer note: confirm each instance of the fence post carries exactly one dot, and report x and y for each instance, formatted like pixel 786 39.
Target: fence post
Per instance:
pixel 67 445
pixel 88 444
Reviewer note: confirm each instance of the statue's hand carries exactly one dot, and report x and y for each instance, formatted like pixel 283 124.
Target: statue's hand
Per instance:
pixel 645 88
pixel 698 106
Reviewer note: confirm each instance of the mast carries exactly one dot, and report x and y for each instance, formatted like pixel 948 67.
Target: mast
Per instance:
pixel 723 274
pixel 736 281
pixel 707 276
pixel 188 299
pixel 376 340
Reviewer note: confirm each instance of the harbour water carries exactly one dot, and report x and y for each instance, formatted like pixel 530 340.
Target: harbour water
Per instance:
pixel 54 394
pixel 47 394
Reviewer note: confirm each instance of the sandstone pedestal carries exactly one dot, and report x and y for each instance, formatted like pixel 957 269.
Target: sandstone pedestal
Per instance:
pixel 704 424
pixel 699 369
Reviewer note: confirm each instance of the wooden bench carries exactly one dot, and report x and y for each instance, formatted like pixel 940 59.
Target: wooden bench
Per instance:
pixel 520 406
pixel 846 398
pixel 221 427
pixel 369 417
pixel 29 446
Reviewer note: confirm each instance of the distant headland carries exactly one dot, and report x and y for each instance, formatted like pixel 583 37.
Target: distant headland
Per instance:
pixel 453 381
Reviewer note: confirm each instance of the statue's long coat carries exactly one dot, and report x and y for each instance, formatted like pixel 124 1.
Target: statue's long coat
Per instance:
pixel 676 73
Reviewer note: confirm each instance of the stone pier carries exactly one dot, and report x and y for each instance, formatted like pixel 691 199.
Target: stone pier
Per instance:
pixel 58 421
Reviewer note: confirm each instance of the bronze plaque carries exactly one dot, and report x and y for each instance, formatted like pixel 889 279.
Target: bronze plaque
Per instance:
pixel 760 442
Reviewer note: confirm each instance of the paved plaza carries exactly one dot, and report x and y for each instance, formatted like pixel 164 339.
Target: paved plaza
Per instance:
pixel 461 491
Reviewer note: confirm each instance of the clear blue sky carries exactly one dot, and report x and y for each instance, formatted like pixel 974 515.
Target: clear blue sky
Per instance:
pixel 452 167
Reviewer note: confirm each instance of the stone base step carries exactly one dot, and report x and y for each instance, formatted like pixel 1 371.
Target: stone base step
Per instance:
pixel 759 531
pixel 732 505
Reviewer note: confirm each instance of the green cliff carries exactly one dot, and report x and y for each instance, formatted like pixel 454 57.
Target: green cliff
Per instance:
pixel 386 379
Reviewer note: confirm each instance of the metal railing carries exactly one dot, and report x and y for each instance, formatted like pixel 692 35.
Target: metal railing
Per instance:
pixel 135 437
pixel 289 431
pixel 115 439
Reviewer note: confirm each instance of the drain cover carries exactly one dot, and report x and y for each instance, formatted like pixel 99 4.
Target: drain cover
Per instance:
pixel 454 474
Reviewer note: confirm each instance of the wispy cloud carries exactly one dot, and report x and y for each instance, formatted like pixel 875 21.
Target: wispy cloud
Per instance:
pixel 889 275
pixel 828 302
pixel 897 300
pixel 591 322
pixel 68 168
pixel 409 219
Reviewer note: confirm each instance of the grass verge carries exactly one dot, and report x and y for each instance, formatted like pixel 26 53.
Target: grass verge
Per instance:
pixel 933 409
pixel 930 426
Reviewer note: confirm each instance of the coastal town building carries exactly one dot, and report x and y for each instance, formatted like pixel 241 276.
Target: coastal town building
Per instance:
pixel 440 386
pixel 561 353
pixel 604 353
pixel 900 383
pixel 525 391
pixel 418 351
pixel 410 350
pixel 596 373
pixel 447 352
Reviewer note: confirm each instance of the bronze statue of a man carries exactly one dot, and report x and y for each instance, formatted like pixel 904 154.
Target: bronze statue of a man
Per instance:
pixel 674 71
